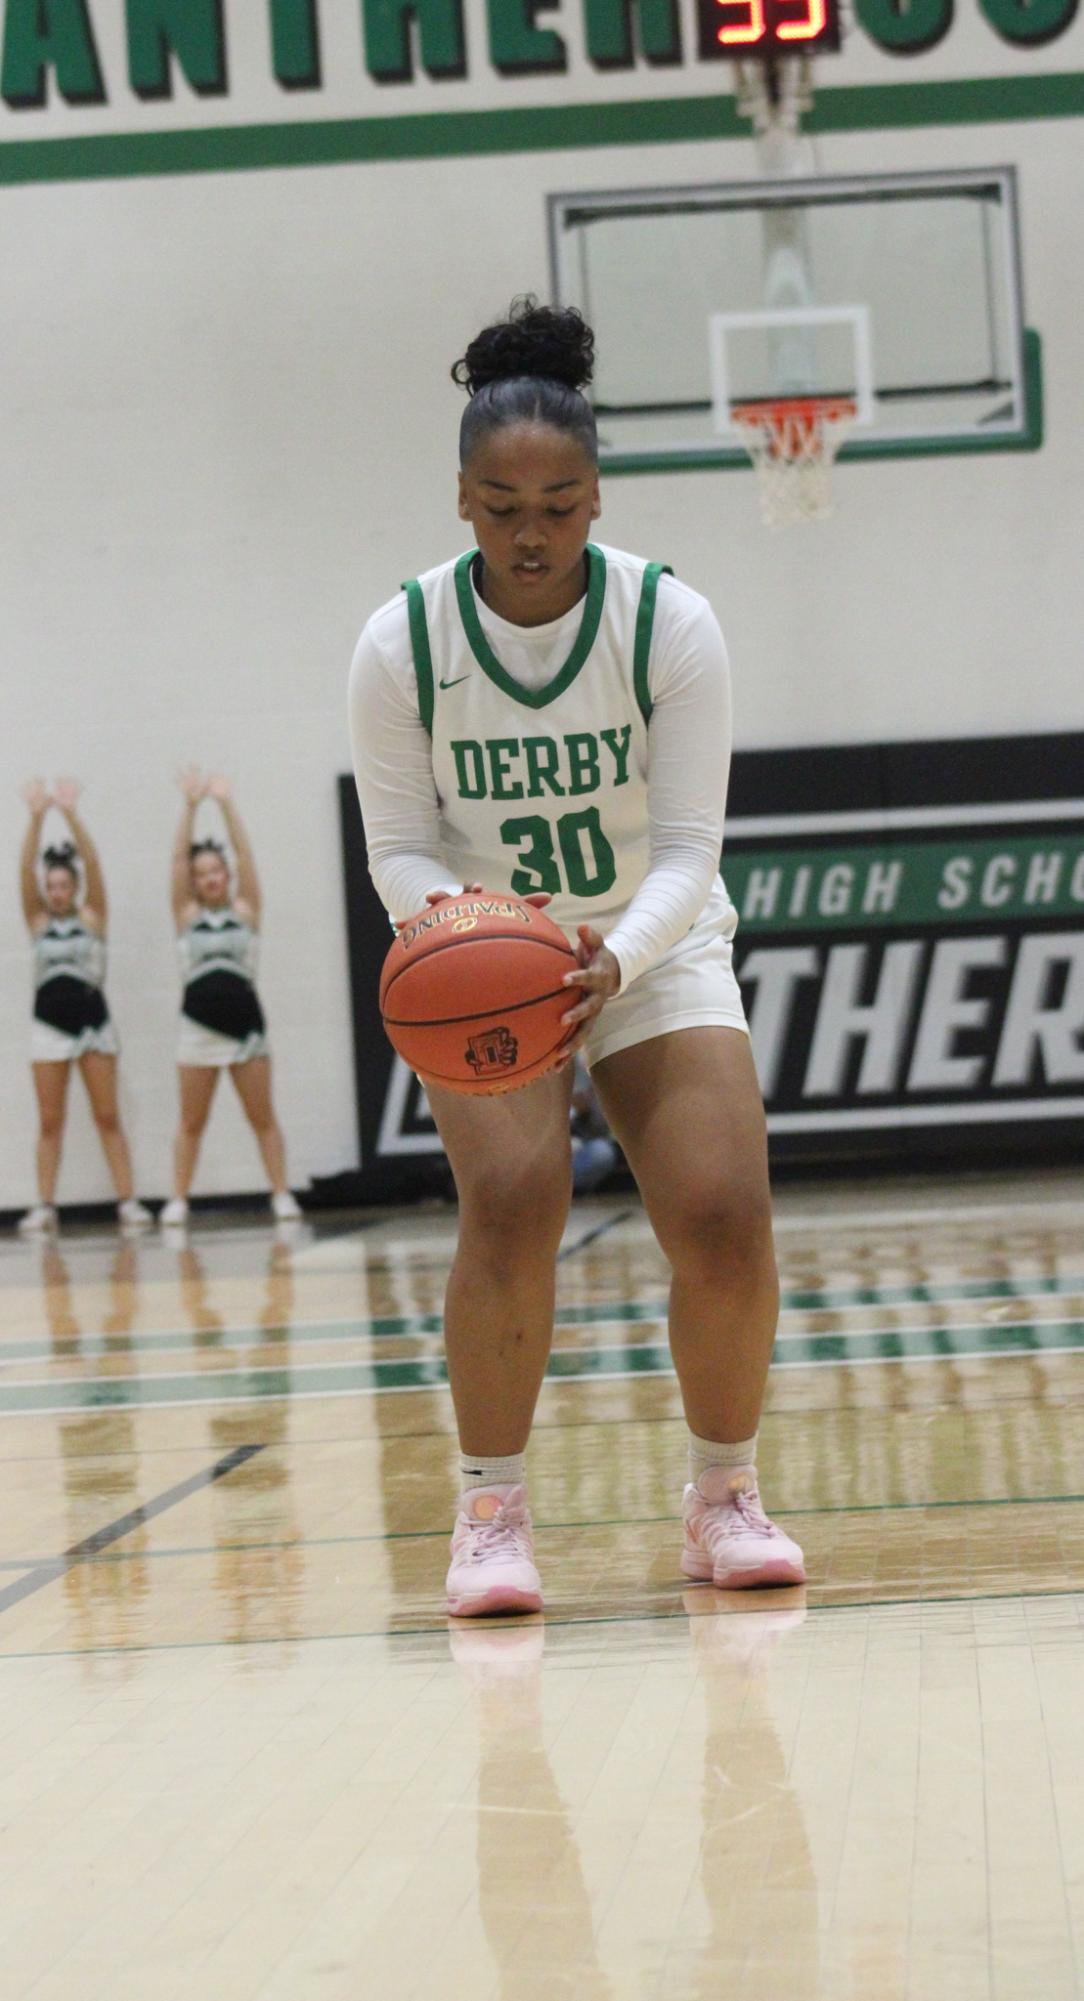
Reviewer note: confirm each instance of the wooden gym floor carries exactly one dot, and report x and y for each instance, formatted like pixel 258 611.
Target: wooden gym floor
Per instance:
pixel 243 1754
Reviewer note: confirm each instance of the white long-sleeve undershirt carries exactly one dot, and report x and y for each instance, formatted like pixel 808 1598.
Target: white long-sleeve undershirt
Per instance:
pixel 689 743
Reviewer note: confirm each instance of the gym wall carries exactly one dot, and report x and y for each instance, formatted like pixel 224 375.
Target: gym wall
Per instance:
pixel 228 432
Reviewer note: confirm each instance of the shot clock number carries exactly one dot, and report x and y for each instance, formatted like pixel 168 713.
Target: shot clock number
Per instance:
pixel 730 28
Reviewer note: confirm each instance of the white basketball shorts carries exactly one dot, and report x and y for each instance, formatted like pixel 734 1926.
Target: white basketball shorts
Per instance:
pixel 692 987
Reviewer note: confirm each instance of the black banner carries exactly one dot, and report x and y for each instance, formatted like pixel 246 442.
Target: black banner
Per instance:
pixel 910 950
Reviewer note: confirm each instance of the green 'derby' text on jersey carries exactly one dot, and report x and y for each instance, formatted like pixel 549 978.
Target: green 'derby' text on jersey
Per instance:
pixel 542 788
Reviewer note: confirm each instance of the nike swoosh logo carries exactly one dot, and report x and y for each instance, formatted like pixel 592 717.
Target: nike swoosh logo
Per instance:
pixel 455 683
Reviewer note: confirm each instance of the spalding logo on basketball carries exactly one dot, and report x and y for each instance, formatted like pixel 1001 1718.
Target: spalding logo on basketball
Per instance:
pixel 471 994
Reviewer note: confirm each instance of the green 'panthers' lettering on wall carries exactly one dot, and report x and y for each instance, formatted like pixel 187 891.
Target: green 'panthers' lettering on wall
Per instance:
pixel 905 27
pixel 441 42
pixel 295 44
pixel 517 45
pixel 191 30
pixel 1029 22
pixel 508 767
pixel 44 35
pixel 609 32
pixel 49 49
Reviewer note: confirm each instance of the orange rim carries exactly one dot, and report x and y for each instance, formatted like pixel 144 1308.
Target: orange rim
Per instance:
pixel 794 426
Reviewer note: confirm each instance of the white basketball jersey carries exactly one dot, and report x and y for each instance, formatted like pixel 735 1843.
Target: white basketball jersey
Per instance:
pixel 542 788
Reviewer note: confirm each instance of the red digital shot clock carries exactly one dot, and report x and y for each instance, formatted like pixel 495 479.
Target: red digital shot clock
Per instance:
pixel 730 28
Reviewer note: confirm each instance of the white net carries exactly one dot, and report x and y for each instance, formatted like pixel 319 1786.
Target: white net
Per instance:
pixel 793 444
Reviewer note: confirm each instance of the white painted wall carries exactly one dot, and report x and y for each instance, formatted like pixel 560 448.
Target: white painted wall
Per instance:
pixel 228 432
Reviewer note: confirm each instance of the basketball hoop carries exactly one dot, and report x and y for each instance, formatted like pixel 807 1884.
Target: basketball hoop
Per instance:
pixel 793 442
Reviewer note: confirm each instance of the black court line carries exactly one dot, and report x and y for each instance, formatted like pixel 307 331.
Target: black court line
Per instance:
pixel 591 1236
pixel 92 1545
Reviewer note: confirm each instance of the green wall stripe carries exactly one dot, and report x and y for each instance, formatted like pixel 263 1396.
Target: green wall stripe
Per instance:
pixel 980 100
pixel 543 128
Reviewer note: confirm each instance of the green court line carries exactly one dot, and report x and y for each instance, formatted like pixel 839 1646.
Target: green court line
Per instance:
pixel 430 1372
pixel 183 1340
pixel 934 1294
pixel 812 1512
pixel 540 128
pixel 548 1621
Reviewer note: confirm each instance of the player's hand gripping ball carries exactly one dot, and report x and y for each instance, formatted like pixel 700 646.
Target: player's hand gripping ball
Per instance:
pixel 471 994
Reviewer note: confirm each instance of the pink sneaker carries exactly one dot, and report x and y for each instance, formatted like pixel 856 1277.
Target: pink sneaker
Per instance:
pixel 492 1568
pixel 729 1540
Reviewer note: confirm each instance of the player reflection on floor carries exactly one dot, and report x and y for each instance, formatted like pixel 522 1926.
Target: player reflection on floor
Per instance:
pixel 755 1859
pixel 534 1859
pixel 99 1458
pixel 532 1895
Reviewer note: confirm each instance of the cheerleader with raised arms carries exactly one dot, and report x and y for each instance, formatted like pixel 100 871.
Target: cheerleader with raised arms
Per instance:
pixel 222 1021
pixel 64 903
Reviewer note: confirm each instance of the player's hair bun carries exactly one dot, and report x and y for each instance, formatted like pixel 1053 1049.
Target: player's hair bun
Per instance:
pixel 530 368
pixel 62 856
pixel 556 345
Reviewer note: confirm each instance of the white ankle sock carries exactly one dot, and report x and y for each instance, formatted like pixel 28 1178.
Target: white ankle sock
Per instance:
pixel 705 1452
pixel 475 1471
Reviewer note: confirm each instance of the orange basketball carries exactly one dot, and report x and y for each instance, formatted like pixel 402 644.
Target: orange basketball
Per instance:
pixel 471 993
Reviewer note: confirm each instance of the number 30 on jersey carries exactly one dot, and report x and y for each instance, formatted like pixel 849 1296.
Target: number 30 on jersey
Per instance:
pixel 586 854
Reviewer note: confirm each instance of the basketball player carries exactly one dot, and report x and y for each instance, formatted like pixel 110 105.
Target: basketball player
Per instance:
pixel 552 717
pixel 67 921
pixel 222 1022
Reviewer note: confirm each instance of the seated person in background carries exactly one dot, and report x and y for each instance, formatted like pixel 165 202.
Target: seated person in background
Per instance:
pixel 595 1153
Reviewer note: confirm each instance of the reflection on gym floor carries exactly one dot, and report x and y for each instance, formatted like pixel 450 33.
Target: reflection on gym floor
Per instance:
pixel 245 1747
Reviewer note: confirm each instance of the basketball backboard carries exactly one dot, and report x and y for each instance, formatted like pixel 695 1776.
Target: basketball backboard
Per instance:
pixel 901 291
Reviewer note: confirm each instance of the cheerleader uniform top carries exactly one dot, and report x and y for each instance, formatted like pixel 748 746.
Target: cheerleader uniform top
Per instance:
pixel 218 952
pixel 69 974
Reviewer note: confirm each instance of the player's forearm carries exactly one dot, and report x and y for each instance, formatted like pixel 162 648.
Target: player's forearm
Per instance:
pixel 247 879
pixel 688 768
pixel 664 908
pixel 183 838
pixel 404 880
pixel 28 863
pixel 235 829
pixel 180 860
pixel 28 853
pixel 393 772
pixel 92 867
pixel 79 833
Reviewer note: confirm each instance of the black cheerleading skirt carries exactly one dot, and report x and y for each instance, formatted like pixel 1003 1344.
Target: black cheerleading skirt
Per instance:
pixel 226 1003
pixel 70 1005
